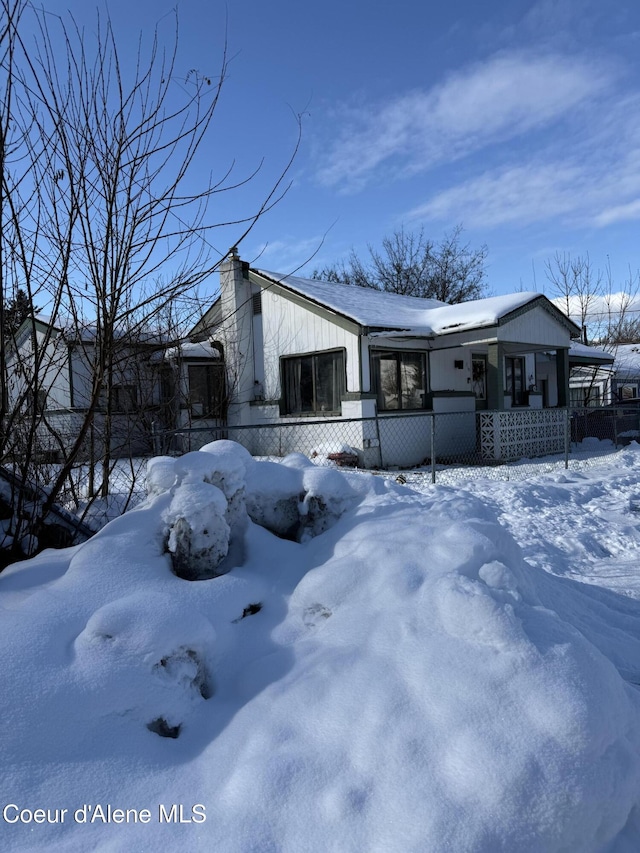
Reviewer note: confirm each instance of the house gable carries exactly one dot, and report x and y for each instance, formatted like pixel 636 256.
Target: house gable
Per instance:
pixel 292 326
pixel 271 287
pixel 536 325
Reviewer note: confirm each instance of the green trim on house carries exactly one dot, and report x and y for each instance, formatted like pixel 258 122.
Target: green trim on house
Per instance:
pixel 356 396
pixel 452 394
pixel 495 381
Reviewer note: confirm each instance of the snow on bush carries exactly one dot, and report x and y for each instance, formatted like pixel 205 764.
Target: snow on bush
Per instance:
pixel 327 495
pixel 216 489
pixel 296 500
pixel 223 464
pixel 161 475
pixel 199 535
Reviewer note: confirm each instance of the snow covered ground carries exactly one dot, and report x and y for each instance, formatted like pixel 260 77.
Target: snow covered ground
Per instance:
pixel 453 668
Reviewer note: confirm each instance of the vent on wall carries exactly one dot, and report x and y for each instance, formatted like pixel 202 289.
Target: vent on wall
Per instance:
pixel 256 299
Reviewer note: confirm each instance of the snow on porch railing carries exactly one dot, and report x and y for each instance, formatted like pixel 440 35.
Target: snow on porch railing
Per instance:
pixel 523 433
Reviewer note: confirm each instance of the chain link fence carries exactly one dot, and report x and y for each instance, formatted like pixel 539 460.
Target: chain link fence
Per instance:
pixel 436 447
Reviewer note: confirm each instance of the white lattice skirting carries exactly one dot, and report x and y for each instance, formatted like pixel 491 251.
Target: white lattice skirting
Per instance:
pixel 522 433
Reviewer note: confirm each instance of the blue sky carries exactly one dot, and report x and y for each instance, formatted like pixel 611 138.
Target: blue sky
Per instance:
pixel 520 121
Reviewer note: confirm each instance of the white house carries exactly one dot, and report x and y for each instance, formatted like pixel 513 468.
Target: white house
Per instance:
pixel 147 386
pixel 301 350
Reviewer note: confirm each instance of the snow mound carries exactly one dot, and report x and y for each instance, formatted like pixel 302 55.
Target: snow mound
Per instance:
pixel 155 668
pixel 399 679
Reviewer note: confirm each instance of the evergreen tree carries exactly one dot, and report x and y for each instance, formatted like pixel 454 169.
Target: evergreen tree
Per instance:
pixel 16 310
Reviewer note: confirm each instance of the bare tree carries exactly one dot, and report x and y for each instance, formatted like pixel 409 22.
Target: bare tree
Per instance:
pixel 602 307
pixel 97 220
pixel 410 264
pixel 592 298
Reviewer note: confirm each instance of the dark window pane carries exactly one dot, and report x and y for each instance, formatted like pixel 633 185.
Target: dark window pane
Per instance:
pixel 515 375
pixel 412 380
pixel 389 393
pixel 400 380
pixel 314 383
pixel 306 385
pixel 479 371
pixel 124 398
pixel 329 381
pixel 206 390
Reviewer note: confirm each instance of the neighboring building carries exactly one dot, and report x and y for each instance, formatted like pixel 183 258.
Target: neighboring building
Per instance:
pixel 149 387
pixel 604 378
pixel 592 377
pixel 297 349
pixel 626 382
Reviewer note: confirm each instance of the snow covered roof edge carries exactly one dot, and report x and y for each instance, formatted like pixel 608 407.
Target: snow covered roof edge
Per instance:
pixel 430 317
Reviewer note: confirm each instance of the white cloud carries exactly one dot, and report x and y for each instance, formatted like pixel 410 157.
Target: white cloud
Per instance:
pixel 287 254
pixel 593 181
pixel 619 213
pixel 522 194
pixel 507 96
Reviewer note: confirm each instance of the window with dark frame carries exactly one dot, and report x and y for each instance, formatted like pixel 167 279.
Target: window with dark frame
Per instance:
pixel 206 390
pixel 314 383
pixel 124 398
pixel 628 391
pixel 516 380
pixel 400 380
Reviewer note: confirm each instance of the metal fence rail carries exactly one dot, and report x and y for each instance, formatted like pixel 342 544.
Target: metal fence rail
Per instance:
pixel 436 446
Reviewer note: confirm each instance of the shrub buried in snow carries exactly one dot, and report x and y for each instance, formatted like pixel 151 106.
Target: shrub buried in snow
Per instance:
pixel 215 491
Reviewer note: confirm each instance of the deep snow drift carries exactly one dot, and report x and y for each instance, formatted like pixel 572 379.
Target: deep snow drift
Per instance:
pixel 379 670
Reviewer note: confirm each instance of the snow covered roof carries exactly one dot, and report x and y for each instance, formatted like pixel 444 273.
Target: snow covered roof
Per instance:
pixel 86 332
pixel 589 355
pixel 188 349
pixel 628 359
pixel 409 314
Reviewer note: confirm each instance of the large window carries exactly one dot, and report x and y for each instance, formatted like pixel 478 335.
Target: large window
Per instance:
pixel 206 390
pixel 314 383
pixel 400 380
pixel 516 379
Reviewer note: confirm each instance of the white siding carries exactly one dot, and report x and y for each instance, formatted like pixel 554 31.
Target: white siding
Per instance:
pixel 444 375
pixel 290 329
pixel 535 327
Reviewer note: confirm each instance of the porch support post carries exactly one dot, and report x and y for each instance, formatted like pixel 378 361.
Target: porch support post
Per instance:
pixel 562 370
pixel 495 381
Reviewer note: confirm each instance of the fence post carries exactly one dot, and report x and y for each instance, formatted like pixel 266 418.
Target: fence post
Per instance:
pixel 567 428
pixel 155 434
pixel 378 437
pixel 433 447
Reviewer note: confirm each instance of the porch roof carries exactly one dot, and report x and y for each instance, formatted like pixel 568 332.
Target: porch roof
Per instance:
pixel 583 354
